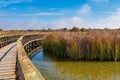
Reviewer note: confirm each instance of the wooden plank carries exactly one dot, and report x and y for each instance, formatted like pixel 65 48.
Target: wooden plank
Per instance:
pixel 6 65
pixel 8 62
pixel 6 71
pixel 12 76
pixel 9 67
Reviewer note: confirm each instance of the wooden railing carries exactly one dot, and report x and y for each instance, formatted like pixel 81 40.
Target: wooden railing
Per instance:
pixel 28 38
pixel 5 40
pixel 26 45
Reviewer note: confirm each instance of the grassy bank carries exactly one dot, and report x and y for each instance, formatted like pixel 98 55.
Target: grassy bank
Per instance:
pixel 92 45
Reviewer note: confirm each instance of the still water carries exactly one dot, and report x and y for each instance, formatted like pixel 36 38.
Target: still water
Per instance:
pixel 54 68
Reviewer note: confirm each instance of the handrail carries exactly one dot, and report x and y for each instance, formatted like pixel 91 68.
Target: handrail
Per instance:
pixel 9 35
pixel 28 38
pixel 28 69
pixel 5 40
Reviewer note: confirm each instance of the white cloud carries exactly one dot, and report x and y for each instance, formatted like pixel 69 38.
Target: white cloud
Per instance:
pixel 98 1
pixel 112 21
pixel 48 14
pixel 4 3
pixel 34 14
pixel 43 14
pixel 67 22
pixel 34 23
pixel 85 9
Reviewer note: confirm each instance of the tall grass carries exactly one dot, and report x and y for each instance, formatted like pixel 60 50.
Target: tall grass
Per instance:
pixel 54 44
pixel 92 45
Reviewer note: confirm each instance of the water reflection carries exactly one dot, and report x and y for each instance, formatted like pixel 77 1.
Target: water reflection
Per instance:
pixel 55 68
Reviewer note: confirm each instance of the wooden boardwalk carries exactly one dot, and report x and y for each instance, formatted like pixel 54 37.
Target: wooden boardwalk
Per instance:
pixel 8 56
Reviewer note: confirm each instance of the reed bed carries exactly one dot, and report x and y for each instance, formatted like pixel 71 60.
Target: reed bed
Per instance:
pixel 19 32
pixel 91 45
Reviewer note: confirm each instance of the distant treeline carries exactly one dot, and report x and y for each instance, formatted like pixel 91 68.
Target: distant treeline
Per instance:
pixel 75 28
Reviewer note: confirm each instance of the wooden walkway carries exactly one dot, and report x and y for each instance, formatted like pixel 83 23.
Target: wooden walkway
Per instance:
pixel 8 56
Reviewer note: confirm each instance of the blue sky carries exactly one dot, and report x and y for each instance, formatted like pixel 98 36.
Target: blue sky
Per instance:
pixel 39 14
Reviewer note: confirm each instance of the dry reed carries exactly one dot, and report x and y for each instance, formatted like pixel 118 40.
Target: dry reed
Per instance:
pixel 92 45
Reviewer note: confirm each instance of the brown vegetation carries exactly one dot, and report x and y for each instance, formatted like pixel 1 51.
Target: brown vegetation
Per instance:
pixel 89 45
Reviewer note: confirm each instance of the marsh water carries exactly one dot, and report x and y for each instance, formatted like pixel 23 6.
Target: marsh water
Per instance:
pixel 56 68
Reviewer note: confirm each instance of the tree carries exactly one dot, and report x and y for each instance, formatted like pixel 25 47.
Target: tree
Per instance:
pixel 75 29
pixel 30 30
pixel 1 30
pixel 64 29
pixel 83 29
pixel 49 29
